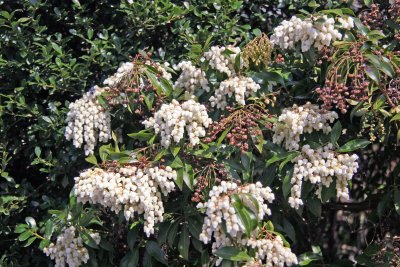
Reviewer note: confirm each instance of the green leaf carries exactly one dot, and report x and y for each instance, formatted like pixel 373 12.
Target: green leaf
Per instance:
pixel 360 26
pixel 161 154
pixel 246 159
pixel 149 100
pixel 48 230
pixel 154 250
pixel 188 176
pixel 380 101
pixel 131 259
pixel 282 156
pixel 314 205
pixel 173 230
pixel 246 216
pixel 289 229
pixel 179 178
pixel 20 228
pixel 88 240
pixel 336 132
pixel 91 159
pixel 132 237
pixel 25 235
pixel 175 150
pixel 286 185
pixel 184 242
pixel 195 226
pixel 77 3
pixel 232 254
pixel 44 243
pixel 288 159
pixel 269 226
pixel 395 117
pixel 328 192
pixel 104 150
pixel 223 135
pixel 143 135
pixel 372 73
pixel 237 63
pixel 162 86
pixel 368 3
pixel 38 151
pixel 353 145
pixel 30 241
pixel 57 48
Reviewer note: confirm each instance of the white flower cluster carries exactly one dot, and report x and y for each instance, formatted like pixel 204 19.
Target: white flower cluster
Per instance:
pixel 173 119
pixel 191 78
pixel 123 69
pixel 319 166
pixel 272 251
pixel 219 60
pixel 297 120
pixel 69 249
pixel 346 23
pixel 130 189
pixel 242 87
pixel 220 209
pixel 318 32
pixel 127 67
pixel 164 73
pixel 87 121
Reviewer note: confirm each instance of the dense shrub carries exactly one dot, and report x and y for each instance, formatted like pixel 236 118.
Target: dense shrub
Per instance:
pixel 195 126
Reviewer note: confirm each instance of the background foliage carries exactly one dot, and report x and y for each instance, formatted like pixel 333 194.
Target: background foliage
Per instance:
pixel 52 51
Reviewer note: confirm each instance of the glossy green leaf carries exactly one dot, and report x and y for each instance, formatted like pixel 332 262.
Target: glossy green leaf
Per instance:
pixel 184 242
pixel 232 254
pixel 155 252
pixel 336 132
pixel 354 145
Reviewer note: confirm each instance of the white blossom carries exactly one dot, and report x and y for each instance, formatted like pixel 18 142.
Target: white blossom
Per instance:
pixel 219 60
pixel 123 69
pixel 346 22
pixel 191 78
pixel 127 67
pixel 319 166
pixel 295 121
pixel 172 120
pixel 131 189
pixel 87 121
pixel 220 211
pixel 239 86
pixel 69 249
pixel 272 252
pixel 318 32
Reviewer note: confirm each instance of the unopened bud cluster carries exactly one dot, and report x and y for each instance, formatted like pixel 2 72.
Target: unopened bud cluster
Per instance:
pixel 295 121
pixel 222 58
pixel 319 166
pixel 191 78
pixel 130 188
pixel 172 120
pixel 258 51
pixel 318 32
pixel 239 86
pixel 87 121
pixel 69 249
